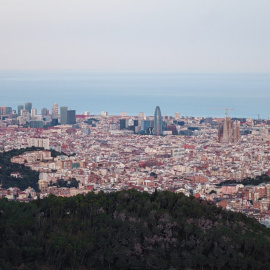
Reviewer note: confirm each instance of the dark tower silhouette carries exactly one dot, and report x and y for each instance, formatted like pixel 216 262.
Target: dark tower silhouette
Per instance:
pixel 71 117
pixel 64 115
pixel 20 107
pixel 158 122
pixel 44 112
pixel 28 106
pixel 123 123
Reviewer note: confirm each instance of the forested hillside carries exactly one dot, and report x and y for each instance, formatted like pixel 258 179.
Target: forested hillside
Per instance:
pixel 259 179
pixel 129 230
pixel 29 177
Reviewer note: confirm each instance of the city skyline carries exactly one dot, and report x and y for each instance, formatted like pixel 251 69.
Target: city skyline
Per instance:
pixel 111 153
pixel 61 113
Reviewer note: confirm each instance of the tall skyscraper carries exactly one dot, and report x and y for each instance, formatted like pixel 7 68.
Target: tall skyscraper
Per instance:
pixel 44 112
pixel 28 106
pixel 229 131
pixel 9 110
pixel 157 122
pixel 20 107
pixel 55 111
pixel 145 124
pixel 33 112
pixel 123 123
pixel 63 115
pixel 3 110
pixel 71 117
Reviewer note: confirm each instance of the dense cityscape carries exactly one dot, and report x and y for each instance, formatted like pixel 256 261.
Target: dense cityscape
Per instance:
pixel 192 155
pixel 134 135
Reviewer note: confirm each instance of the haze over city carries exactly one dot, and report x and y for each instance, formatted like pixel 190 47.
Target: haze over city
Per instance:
pixel 145 36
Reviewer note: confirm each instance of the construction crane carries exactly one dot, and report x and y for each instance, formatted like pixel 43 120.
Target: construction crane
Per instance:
pixel 226 109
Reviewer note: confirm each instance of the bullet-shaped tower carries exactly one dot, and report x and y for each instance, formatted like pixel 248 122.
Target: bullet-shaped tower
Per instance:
pixel 158 122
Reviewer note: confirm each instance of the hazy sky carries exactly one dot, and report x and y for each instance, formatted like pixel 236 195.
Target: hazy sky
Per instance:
pixel 135 35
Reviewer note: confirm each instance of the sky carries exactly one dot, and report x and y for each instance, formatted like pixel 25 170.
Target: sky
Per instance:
pixel 135 35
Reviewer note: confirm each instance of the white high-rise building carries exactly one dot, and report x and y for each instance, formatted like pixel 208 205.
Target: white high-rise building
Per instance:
pixel 33 112
pixel 55 114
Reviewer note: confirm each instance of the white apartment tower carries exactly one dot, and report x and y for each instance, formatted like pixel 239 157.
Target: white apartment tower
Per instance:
pixel 55 114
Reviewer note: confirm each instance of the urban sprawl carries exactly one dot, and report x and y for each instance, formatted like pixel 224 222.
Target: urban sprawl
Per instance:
pixel 192 155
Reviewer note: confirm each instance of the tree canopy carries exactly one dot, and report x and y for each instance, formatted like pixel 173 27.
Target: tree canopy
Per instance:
pixel 260 179
pixel 129 230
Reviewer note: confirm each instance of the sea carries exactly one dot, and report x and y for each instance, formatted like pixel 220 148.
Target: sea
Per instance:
pixel 190 94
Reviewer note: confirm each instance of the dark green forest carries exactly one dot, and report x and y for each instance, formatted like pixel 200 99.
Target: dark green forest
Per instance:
pixel 129 230
pixel 260 179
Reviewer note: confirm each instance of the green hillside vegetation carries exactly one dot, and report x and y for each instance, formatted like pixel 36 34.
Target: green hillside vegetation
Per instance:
pixel 129 230
pixel 29 177
pixel 248 181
